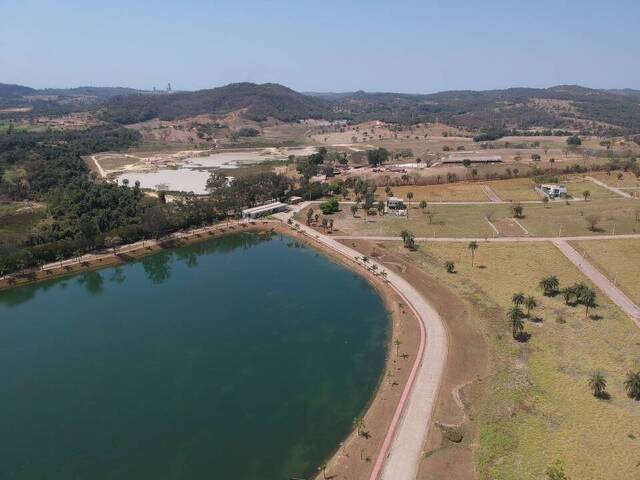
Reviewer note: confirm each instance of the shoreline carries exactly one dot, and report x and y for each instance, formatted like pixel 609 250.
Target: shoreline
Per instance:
pixel 355 453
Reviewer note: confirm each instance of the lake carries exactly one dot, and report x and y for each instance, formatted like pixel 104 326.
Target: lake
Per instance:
pixel 244 357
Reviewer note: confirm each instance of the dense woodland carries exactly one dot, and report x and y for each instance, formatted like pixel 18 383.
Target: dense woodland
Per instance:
pixel 84 213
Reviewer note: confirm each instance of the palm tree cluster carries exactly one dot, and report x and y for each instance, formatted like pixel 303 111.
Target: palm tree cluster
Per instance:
pixel 579 293
pixel 549 285
pixel 408 239
pixel 598 384
pixel 516 315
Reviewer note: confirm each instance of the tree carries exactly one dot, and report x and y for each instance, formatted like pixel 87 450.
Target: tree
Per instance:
pixel 588 299
pixel 423 205
pixel 323 469
pixel 598 384
pixel 309 216
pixel 517 209
pixel 377 156
pixel 408 239
pixel 592 222
pixel 555 471
pixel 586 194
pixel 450 266
pixel 518 299
pixel 397 343
pixel 574 141
pixel 632 385
pixel 216 180
pixel 531 304
pixel 330 206
pixel 515 316
pixel 473 246
pixel 549 285
pixel 359 425
pixel 354 209
pixel 380 208
pixel 409 196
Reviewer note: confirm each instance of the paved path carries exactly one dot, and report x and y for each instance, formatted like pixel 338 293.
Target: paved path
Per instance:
pixel 486 239
pixel 493 196
pixel 610 188
pixel 401 451
pixel 599 280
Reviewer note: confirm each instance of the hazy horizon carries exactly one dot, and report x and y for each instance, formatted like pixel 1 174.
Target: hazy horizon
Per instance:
pixel 407 47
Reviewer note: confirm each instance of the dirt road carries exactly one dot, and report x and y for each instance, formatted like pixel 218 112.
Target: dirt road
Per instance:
pixel 600 281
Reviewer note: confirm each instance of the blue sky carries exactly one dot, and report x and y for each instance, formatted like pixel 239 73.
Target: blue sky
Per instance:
pixel 401 46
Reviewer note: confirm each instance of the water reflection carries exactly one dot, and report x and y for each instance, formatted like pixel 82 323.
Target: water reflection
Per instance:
pixel 93 282
pixel 157 267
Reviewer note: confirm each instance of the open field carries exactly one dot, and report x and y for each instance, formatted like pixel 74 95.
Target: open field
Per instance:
pixel 516 189
pixel 572 219
pixel 17 221
pixel 577 185
pixel 627 179
pixel 471 220
pixel 535 406
pixel 617 259
pixel 450 192
pixel 447 221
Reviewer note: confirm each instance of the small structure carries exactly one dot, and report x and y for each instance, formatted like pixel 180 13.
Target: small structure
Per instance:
pixel 395 203
pixel 294 200
pixel 264 210
pixel 473 157
pixel 553 190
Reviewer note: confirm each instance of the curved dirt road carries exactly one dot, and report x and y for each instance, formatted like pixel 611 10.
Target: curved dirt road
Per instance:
pixel 401 451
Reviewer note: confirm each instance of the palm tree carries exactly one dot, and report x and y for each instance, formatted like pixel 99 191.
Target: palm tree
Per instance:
pixel 397 343
pixel 632 385
pixel 549 285
pixel 359 425
pixel 423 205
pixel 380 208
pixel 473 246
pixel 309 216
pixel 408 239
pixel 323 469
pixel 515 316
pixel 354 209
pixel 598 384
pixel 531 304
pixel 586 194
pixel 409 198
pixel 588 299
pixel 450 266
pixel 518 299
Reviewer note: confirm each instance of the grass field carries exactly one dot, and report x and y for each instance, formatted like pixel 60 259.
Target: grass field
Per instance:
pixel 628 179
pixel 447 221
pixel 536 406
pixel 618 259
pixel 571 219
pixel 16 224
pixel 450 192
pixel 577 185
pixel 470 220
pixel 516 189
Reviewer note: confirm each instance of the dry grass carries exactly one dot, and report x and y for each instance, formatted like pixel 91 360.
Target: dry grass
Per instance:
pixel 536 405
pixel 450 192
pixel 516 189
pixel 618 259
pixel 548 220
pixel 628 179
pixel 447 221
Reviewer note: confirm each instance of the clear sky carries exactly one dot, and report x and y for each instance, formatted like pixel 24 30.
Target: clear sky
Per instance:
pixel 401 45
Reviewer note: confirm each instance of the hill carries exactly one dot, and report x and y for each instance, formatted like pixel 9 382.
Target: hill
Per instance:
pixel 564 106
pixel 257 102
pixel 11 91
pixel 97 92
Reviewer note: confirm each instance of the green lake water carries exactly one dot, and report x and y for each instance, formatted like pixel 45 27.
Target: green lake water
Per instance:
pixel 244 358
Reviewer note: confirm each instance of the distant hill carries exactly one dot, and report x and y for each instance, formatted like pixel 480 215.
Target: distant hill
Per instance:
pixel 11 91
pixel 563 106
pixel 98 92
pixel 256 101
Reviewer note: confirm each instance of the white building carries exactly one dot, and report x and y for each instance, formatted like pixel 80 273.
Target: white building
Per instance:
pixel 395 203
pixel 265 210
pixel 553 190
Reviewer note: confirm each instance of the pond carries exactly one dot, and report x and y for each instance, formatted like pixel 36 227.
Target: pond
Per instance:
pixel 242 357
